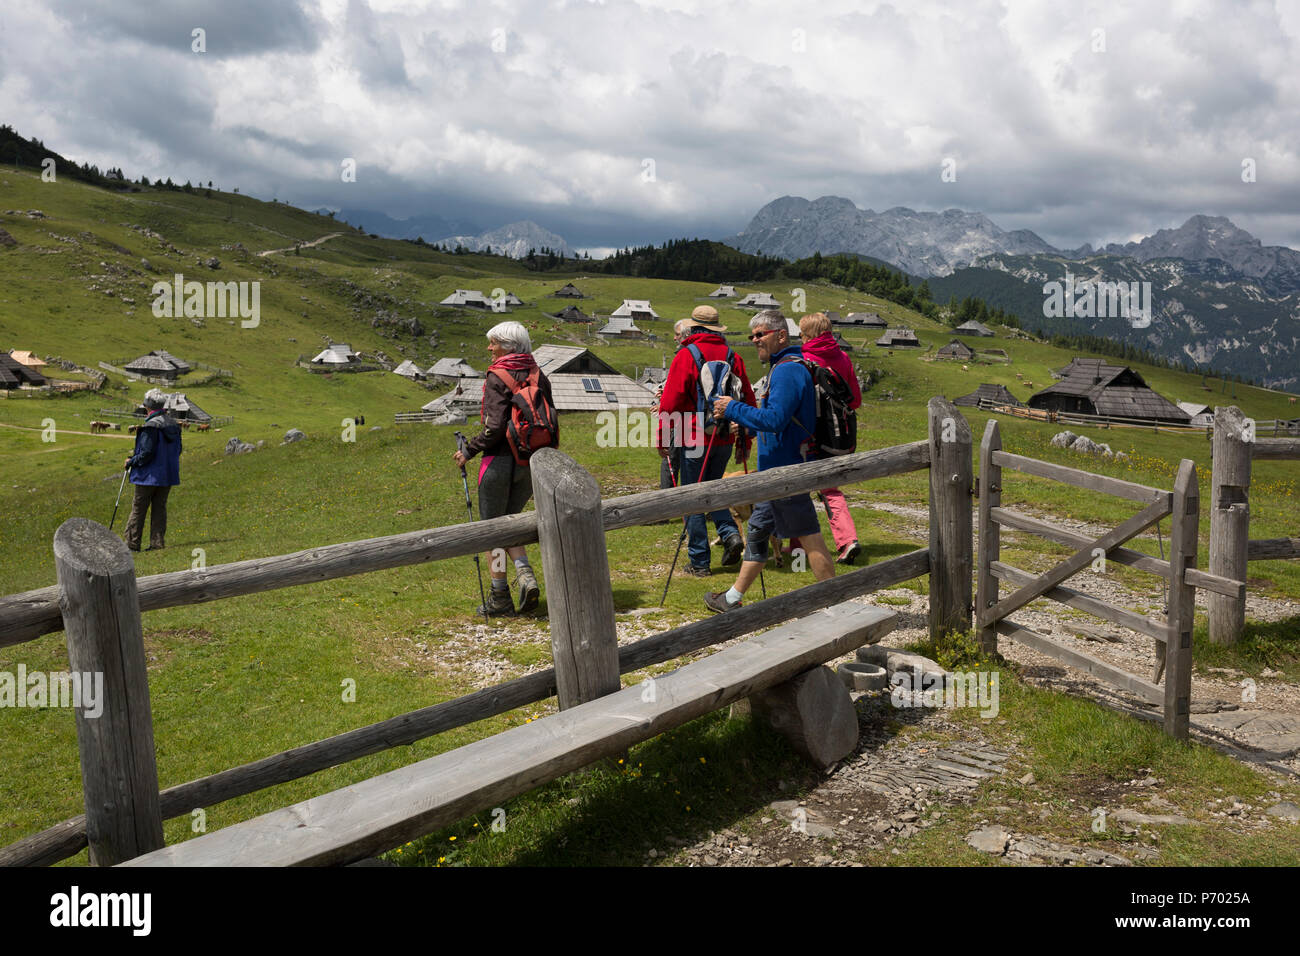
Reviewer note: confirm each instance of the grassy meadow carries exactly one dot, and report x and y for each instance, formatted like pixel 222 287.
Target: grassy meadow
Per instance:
pixel 239 679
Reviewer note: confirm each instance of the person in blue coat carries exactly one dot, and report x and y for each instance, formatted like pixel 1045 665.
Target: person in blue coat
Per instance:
pixel 155 467
pixel 784 422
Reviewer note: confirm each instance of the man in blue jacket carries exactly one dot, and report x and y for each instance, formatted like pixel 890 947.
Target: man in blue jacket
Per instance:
pixel 155 467
pixel 784 423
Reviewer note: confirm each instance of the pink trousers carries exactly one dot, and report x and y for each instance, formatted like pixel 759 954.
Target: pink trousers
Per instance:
pixel 837 509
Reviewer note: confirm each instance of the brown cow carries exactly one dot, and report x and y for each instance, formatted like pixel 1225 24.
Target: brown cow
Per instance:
pixel 204 427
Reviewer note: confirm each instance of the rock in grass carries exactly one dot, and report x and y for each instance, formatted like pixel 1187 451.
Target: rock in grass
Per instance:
pixel 293 435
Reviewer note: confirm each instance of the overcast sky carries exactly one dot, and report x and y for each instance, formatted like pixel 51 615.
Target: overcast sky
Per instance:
pixel 615 122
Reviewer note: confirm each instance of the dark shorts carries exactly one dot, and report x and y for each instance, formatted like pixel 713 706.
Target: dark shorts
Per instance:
pixel 503 487
pixel 792 517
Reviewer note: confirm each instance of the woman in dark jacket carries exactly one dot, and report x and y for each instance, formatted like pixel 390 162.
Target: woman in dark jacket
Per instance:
pixel 155 467
pixel 504 486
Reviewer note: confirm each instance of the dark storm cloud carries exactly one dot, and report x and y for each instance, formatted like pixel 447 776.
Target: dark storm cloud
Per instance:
pixel 619 123
pixel 233 27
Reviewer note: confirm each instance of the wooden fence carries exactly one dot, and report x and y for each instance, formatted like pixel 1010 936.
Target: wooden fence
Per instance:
pixel 98 602
pixel 1173 635
pixel 1237 443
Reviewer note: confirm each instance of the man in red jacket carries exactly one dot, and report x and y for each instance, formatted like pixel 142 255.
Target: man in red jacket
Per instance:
pixel 700 457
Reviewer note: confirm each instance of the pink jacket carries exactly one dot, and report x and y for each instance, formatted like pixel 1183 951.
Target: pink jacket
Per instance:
pixel 825 352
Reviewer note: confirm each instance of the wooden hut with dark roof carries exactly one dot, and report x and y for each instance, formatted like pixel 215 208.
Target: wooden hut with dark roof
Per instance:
pixel 989 393
pixel 973 328
pixel 571 313
pixel 1091 387
pixel 158 364
pixel 864 319
pixel 568 291
pixel 899 339
pixel 14 374
pixel 956 350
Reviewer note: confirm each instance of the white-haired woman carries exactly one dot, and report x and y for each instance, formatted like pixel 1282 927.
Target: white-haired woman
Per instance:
pixel 155 468
pixel 504 486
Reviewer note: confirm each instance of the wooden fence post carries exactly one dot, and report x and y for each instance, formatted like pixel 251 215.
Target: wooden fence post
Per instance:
pixel 1183 544
pixel 101 616
pixel 986 585
pixel 1229 519
pixel 951 556
pixel 571 533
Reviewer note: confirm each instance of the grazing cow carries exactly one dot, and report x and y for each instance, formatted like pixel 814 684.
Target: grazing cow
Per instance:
pixel 184 423
pixel 132 429
pixel 204 427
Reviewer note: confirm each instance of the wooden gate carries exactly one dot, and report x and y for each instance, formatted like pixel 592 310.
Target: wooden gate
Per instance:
pixel 1173 636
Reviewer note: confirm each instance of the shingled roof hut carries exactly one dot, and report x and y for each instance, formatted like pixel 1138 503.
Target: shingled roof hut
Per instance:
pixel 14 374
pixel 158 364
pixel 1091 387
pixel 759 300
pixel 568 291
pixel 987 392
pixel 899 339
pixel 571 313
pixel 973 328
pixel 956 350
pixel 866 319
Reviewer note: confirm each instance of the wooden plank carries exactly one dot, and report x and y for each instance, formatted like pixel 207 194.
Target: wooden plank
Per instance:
pixel 69 837
pixel 990 534
pixel 26 616
pixel 1077 561
pixel 1272 549
pixel 1277 449
pixel 584 640
pixel 1079 478
pixel 1229 519
pixel 1183 545
pixel 950 520
pixel 1086 602
pixel 119 776
pixel 372 816
pixel 1081 661
pixel 1215 584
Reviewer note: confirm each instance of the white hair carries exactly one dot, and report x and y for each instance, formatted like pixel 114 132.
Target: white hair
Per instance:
pixel 155 398
pixel 511 336
pixel 767 319
pixel 681 325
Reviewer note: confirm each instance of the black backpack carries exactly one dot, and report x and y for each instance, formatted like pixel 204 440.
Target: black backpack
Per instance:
pixel 836 428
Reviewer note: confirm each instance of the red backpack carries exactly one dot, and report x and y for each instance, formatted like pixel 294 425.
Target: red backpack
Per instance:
pixel 533 422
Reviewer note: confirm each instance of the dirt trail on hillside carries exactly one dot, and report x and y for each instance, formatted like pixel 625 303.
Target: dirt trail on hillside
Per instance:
pixel 67 431
pixel 303 245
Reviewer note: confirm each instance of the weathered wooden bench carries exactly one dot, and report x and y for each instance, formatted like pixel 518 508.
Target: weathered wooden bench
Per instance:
pixel 781 668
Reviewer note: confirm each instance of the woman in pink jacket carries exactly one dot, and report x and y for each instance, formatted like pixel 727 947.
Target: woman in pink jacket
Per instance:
pixel 819 346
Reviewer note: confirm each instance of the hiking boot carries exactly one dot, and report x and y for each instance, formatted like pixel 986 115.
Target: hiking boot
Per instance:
pixel 529 592
pixel 735 548
pixel 697 572
pixel 716 601
pixel 849 553
pixel 498 604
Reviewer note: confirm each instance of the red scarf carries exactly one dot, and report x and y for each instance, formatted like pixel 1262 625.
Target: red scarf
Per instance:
pixel 513 361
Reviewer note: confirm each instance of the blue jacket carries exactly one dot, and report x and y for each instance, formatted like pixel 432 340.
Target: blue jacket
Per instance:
pixel 157 458
pixel 789 396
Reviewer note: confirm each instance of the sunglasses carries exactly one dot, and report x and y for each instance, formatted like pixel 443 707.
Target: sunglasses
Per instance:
pixel 758 335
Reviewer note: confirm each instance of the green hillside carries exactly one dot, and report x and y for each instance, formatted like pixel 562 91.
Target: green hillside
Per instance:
pixel 235 680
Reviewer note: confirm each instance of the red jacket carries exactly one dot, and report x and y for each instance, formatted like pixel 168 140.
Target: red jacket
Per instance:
pixel 682 386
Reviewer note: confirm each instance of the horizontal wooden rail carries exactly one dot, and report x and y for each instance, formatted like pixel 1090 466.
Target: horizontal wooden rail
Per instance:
pixel 69 837
pixel 1272 549
pixel 355 822
pixel 1078 659
pixel 1085 602
pixel 1079 478
pixel 1275 448
pixel 1134 559
pixel 26 616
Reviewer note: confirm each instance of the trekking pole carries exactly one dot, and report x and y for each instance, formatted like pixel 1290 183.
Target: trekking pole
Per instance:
pixel 681 539
pixel 478 565
pixel 119 499
pixel 761 583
